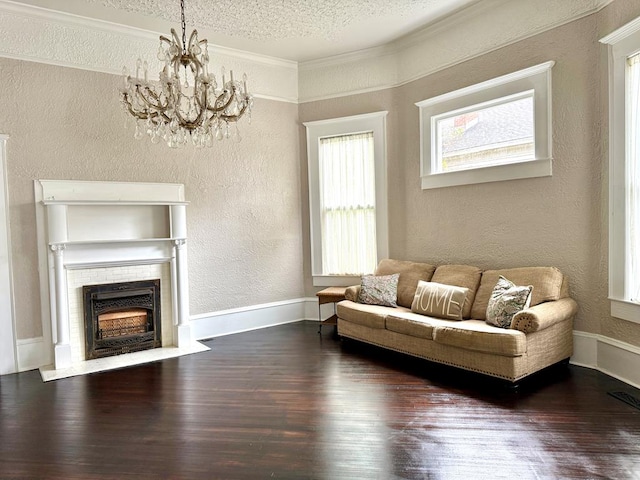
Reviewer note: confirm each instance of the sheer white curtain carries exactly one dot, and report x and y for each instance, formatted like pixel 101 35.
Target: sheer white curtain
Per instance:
pixel 633 177
pixel 347 202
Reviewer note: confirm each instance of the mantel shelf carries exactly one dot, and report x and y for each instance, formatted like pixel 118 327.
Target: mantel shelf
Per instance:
pixel 115 241
pixel 112 202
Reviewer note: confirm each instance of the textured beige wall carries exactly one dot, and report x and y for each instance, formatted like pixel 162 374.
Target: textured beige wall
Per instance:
pixel 558 220
pixel 244 218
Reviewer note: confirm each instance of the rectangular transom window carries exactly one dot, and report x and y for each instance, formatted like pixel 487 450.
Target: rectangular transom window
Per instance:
pixel 491 131
pixel 485 135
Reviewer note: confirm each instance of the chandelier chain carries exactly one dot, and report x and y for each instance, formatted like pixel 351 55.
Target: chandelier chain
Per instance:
pixel 183 24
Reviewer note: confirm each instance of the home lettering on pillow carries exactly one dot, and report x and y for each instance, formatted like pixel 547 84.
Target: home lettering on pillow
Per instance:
pixel 439 300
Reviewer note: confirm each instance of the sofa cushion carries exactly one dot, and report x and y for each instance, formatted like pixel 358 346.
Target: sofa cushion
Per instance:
pixel 410 274
pixel 372 316
pixel 379 290
pixel 477 335
pixel 546 282
pixel 413 324
pixel 506 300
pixel 439 300
pixel 465 276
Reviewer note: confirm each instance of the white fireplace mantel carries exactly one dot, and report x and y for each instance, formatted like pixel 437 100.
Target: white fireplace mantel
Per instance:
pixel 88 224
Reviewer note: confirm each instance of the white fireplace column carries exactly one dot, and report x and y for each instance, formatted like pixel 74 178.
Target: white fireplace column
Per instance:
pixel 183 337
pixel 58 235
pixel 62 349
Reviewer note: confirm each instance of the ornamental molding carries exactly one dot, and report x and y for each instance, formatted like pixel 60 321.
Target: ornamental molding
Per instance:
pixel 458 38
pixel 41 35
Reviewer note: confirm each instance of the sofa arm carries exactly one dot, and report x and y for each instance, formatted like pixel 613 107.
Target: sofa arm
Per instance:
pixel 544 315
pixel 351 293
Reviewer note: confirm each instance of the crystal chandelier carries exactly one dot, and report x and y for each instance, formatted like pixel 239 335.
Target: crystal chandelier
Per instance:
pixel 186 104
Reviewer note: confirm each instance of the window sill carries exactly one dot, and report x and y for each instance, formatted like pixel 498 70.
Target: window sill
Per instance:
pixel 625 310
pixel 336 280
pixel 498 173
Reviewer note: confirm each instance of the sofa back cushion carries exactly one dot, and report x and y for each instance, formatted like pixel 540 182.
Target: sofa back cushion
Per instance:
pixel 410 274
pixel 546 282
pixel 465 276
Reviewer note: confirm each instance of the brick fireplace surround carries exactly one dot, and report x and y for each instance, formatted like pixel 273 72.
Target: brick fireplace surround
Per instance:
pixel 93 233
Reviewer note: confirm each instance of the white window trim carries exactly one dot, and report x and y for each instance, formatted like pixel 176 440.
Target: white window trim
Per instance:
pixel 8 354
pixel 537 78
pixel 375 122
pixel 622 43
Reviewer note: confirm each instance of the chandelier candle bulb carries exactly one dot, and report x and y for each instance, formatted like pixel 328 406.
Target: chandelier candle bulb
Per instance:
pixel 177 110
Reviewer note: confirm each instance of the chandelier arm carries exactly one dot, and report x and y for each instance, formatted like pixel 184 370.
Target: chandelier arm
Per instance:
pixel 177 41
pixel 194 34
pixel 176 111
pixel 234 118
pixel 145 114
pixel 202 104
pixel 158 106
pixel 215 109
pixel 142 115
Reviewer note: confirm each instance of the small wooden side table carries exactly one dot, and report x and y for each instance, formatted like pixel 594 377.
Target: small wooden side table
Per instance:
pixel 329 295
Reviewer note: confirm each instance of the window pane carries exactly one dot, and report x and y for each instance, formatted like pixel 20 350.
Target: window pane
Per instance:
pixel 499 134
pixel 633 179
pixel 347 204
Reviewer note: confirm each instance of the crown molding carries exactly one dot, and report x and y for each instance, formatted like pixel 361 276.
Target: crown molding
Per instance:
pixel 37 34
pixel 405 61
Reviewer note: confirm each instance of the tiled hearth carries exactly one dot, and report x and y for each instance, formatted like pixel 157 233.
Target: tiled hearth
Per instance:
pixel 119 361
pixel 109 232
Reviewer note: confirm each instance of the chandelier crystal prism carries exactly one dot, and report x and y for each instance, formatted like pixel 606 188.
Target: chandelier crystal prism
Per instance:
pixel 187 104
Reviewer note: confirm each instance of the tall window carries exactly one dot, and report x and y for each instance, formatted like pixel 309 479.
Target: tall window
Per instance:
pixel 633 179
pixel 624 171
pixel 347 197
pixel 348 204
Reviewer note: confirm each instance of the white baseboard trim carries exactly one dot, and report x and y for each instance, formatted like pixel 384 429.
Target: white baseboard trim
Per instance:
pixel 615 358
pixel 244 319
pixel 32 353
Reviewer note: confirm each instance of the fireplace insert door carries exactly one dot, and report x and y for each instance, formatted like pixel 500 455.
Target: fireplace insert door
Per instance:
pixel 122 318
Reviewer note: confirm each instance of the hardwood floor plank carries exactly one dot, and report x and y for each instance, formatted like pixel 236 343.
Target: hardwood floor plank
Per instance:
pixel 288 403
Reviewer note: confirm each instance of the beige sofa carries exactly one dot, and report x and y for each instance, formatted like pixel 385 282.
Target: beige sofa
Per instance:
pixel 539 336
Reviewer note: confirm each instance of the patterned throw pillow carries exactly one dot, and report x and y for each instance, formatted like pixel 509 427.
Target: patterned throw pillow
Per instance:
pixel 379 290
pixel 439 300
pixel 506 300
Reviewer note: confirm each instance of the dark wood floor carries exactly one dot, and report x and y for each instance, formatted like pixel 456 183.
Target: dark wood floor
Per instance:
pixel 286 402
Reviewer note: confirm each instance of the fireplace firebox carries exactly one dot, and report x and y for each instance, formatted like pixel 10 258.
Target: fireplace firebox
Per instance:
pixel 122 318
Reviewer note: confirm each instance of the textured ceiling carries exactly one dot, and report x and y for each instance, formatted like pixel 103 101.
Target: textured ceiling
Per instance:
pixel 267 20
pixel 292 29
